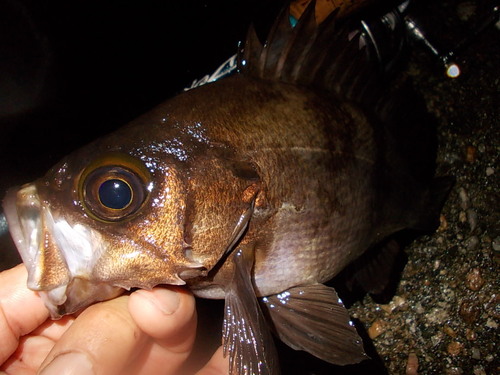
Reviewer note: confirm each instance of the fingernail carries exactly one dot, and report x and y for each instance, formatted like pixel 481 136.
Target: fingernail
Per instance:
pixel 69 364
pixel 166 300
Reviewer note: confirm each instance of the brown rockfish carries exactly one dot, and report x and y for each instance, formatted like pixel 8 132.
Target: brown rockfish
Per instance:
pixel 256 189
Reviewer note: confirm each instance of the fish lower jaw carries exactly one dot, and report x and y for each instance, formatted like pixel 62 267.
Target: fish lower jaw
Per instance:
pixel 79 293
pixel 53 299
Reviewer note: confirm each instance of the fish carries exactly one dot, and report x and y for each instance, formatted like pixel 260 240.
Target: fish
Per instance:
pixel 257 188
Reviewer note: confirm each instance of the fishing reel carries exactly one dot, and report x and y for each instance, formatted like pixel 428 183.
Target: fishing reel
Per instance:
pixel 387 37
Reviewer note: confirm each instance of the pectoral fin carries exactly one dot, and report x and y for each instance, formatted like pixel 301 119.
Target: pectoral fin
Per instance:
pixel 246 336
pixel 313 318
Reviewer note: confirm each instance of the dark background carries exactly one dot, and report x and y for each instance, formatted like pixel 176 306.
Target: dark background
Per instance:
pixel 72 71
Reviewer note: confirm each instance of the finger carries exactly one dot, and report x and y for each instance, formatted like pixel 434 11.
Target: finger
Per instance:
pixel 102 340
pixel 106 339
pixel 218 365
pixel 21 310
pixel 34 347
pixel 163 313
pixel 168 316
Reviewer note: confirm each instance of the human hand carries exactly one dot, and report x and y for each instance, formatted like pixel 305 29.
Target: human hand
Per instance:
pixel 146 332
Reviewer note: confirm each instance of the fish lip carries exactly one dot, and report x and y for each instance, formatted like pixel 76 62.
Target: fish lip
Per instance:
pixel 27 244
pixel 10 212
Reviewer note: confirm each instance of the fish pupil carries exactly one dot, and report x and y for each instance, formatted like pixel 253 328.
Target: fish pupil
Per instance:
pixel 115 194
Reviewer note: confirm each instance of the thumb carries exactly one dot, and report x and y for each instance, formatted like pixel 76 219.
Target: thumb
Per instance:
pixel 21 310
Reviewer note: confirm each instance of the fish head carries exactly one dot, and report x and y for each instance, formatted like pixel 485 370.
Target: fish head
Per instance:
pixel 109 218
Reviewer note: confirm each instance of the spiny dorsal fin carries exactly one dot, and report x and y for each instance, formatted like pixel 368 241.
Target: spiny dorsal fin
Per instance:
pixel 329 56
pixel 276 46
pixel 249 55
pixel 303 32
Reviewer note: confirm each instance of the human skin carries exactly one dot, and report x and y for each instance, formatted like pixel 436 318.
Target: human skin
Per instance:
pixel 145 332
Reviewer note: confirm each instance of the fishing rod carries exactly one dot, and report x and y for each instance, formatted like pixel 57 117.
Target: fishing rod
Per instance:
pixel 386 36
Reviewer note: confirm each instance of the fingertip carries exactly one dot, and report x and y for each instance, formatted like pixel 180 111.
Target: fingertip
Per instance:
pixel 163 300
pixel 162 311
pixel 21 310
pixel 102 340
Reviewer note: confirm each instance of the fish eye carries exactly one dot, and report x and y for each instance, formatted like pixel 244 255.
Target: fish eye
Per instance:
pixel 113 192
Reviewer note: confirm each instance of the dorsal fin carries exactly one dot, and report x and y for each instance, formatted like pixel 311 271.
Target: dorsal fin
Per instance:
pixel 329 56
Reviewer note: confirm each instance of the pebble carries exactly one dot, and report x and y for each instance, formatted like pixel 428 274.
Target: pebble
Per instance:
pixel 476 354
pixel 443 223
pixel 490 323
pixel 472 243
pixel 412 364
pixel 479 370
pixel 495 244
pixel 397 303
pixel 437 316
pixel 437 263
pixel 377 328
pixel 493 306
pixel 489 171
pixel 470 154
pixel 451 157
pixel 419 308
pixel 436 339
pixel 472 219
pixel 454 348
pixel 454 371
pixel 449 331
pixel 469 311
pixel 496 258
pixel 474 280
pixel 470 334
pixel 464 198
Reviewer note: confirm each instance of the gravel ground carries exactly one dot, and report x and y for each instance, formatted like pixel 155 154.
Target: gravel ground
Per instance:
pixel 443 316
pixel 445 313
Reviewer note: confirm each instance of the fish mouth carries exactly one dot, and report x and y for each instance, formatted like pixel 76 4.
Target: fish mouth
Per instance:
pixel 59 256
